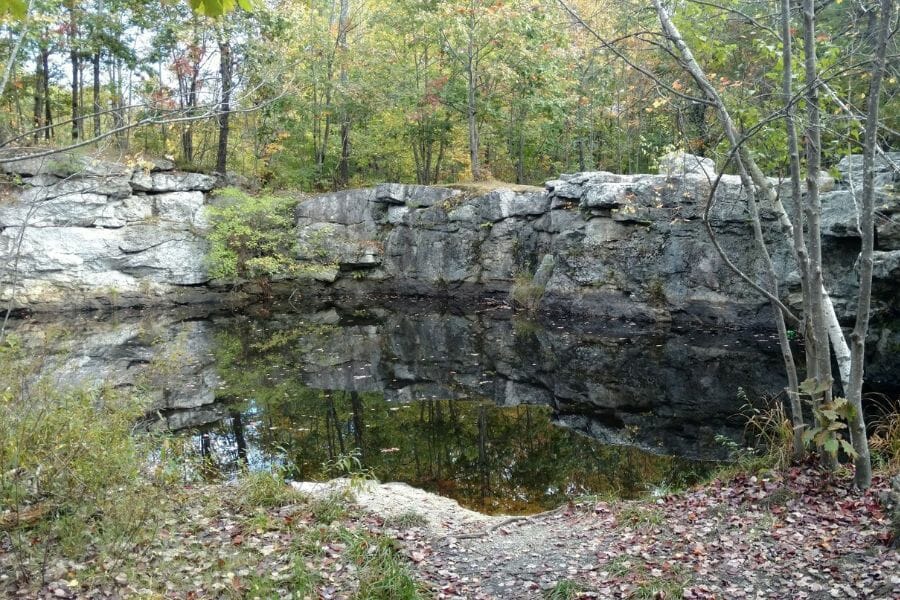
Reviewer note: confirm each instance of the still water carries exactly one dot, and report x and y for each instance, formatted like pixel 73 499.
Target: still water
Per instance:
pixel 501 414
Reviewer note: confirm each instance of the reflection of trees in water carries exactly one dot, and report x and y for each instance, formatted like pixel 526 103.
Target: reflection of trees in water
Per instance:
pixel 496 458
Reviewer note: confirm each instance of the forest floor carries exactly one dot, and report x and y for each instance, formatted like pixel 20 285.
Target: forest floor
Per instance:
pixel 801 534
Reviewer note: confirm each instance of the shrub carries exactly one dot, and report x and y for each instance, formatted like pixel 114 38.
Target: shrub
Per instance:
pixel 70 470
pixel 252 237
pixel 885 438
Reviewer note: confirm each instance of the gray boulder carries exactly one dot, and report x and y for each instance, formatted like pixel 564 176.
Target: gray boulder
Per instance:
pixel 681 163
pixel 158 182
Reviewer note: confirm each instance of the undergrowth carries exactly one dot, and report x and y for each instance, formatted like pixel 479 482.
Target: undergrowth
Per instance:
pixel 87 504
pixel 884 440
pixel 768 440
pixel 71 482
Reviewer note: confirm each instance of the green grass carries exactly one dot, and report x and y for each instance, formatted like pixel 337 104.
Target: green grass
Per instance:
pixel 638 516
pixel 265 490
pixel 329 509
pixel 405 520
pixel 564 590
pixel 383 575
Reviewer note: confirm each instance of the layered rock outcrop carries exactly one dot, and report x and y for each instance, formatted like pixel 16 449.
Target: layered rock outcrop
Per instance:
pixel 81 233
pixel 619 246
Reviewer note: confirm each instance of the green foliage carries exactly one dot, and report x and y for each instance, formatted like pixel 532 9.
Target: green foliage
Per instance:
pixel 266 490
pixel 217 8
pixel 70 469
pixel 14 9
pixel 252 237
pixel 830 420
pixel 349 465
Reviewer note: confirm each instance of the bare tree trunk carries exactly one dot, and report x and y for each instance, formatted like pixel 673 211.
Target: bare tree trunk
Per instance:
pixel 38 117
pixel 118 104
pixel 437 163
pixel 96 65
pixel 225 72
pixel 471 95
pixel 48 108
pixel 800 251
pixel 863 462
pixel 821 370
pixel 344 163
pixel 73 56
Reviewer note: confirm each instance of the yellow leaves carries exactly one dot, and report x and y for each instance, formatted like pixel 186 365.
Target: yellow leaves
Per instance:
pixel 657 104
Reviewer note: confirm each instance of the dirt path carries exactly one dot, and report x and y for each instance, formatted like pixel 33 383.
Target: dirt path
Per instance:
pixel 800 535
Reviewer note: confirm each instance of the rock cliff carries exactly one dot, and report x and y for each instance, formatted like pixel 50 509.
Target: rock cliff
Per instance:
pixel 598 244
pixel 80 233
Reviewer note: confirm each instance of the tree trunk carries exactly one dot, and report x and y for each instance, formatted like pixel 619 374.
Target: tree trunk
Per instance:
pixel 472 121
pixel 115 75
pixel 813 210
pixel 343 177
pixel 73 56
pixel 96 64
pixel 437 163
pixel 187 136
pixel 799 243
pixel 863 462
pixel 48 108
pixel 225 72
pixel 520 152
pixel 471 96
pixel 38 117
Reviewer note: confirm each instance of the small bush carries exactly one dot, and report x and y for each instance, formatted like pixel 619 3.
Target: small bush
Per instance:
pixel 70 470
pixel 252 237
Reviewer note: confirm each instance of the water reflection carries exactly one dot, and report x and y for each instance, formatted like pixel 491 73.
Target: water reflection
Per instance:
pixel 471 406
pixel 477 406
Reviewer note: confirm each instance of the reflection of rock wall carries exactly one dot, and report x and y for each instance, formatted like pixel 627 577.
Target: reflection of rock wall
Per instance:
pixel 631 246
pixel 169 357
pixel 83 233
pixel 665 393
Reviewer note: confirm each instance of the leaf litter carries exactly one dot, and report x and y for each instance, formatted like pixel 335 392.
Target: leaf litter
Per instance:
pixel 800 534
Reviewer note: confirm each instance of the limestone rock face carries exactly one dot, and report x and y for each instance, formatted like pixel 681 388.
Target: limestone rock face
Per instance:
pixel 158 182
pixel 82 233
pixel 682 163
pixel 620 246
